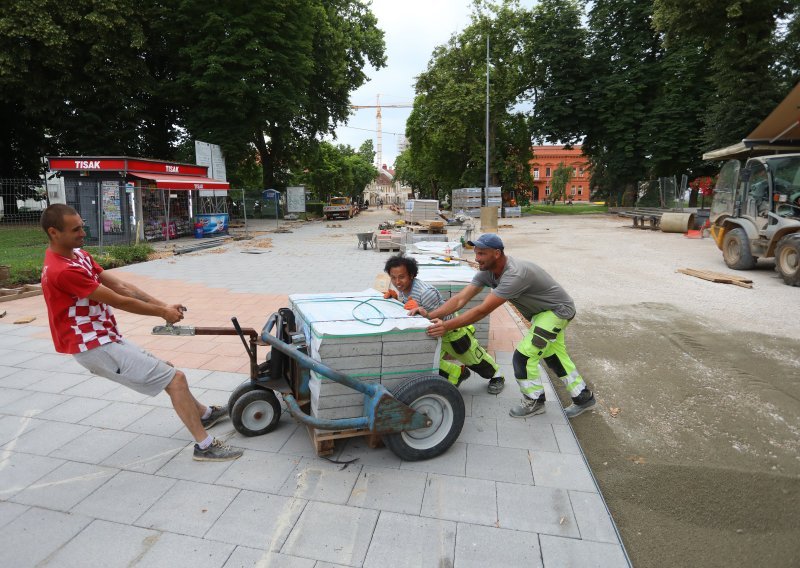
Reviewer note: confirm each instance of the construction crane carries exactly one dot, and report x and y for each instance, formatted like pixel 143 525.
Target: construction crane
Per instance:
pixel 379 106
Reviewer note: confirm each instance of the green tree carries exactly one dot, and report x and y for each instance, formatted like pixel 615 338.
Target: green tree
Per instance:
pixel 558 184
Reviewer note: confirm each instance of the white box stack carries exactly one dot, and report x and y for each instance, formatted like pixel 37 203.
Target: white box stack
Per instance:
pixel 366 337
pixel 467 200
pixel 513 212
pixel 450 280
pixel 418 210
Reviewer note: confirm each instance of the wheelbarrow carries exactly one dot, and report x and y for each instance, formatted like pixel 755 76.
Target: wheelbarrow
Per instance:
pixel 418 420
pixel 365 239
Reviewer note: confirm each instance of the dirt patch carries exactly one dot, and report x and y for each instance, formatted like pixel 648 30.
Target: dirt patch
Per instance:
pixel 260 243
pixel 159 254
pixel 701 464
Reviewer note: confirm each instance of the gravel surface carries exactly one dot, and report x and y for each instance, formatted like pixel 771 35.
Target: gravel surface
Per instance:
pixel 699 460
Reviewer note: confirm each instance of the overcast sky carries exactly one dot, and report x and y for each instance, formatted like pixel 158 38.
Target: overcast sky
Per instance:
pixel 412 29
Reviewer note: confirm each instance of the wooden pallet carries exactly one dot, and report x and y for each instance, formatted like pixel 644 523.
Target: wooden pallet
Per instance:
pixel 324 440
pixel 424 229
pixel 718 277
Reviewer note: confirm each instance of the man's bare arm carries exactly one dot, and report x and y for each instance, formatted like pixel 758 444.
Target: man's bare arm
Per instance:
pixel 108 296
pixel 456 302
pixel 126 289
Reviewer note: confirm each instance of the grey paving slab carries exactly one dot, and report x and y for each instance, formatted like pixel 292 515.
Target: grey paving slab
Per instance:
pixel 460 499
pixel 298 444
pixel 124 498
pixel 527 436
pixel 188 508
pixel 180 551
pixel 592 516
pixel 273 441
pixel 116 415
pixel 182 466
pixel 535 509
pixel 567 471
pixel 57 382
pixel 244 557
pixel 378 457
pixel 36 534
pixel 571 553
pixel 33 404
pixel 500 464
pixel 10 511
pixel 65 486
pixel 452 462
pixel 74 409
pixel 257 520
pixel 94 387
pixel 408 541
pixel 157 422
pixel 220 380
pixel 14 358
pixel 389 490
pixel 495 407
pixel 9 395
pixel 24 378
pixel 14 427
pixel 5 371
pixel 145 454
pixel 332 533
pixel 22 330
pixel 479 431
pixel 92 546
pixel 51 362
pixel 124 394
pixel 38 345
pixel 567 444
pixel 319 480
pixel 94 446
pixel 18 471
pixel 7 341
pixel 45 438
pixel 264 472
pixel 480 547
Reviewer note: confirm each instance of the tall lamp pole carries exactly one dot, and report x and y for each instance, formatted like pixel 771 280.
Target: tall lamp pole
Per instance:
pixel 487 114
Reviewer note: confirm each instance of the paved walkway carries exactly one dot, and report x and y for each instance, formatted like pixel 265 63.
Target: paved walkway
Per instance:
pixel 93 474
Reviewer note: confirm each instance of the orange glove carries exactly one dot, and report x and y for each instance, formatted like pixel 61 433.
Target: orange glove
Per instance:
pixel 390 294
pixel 411 304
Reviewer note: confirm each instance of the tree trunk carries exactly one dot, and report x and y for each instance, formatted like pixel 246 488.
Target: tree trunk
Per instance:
pixel 267 169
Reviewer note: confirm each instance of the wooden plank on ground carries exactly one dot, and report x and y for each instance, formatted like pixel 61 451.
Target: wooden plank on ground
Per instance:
pixel 718 277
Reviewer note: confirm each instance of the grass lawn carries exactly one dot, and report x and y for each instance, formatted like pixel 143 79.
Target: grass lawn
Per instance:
pixel 22 248
pixel 560 209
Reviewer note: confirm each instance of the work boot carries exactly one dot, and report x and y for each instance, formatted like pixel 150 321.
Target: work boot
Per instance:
pixel 580 404
pixel 529 407
pixel 465 374
pixel 496 385
pixel 217 413
pixel 216 452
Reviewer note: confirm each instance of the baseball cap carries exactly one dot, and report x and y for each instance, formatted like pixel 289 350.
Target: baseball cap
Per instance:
pixel 487 241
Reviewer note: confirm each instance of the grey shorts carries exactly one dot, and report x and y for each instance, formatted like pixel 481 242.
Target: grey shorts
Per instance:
pixel 127 364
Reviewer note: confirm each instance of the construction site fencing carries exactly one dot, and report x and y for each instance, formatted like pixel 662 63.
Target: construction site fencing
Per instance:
pixel 663 192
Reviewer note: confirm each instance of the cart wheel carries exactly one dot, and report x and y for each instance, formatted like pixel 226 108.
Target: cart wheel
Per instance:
pixel 442 403
pixel 256 412
pixel 240 391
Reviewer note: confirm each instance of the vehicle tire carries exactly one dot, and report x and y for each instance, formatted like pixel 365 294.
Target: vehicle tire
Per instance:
pixel 736 250
pixel 256 412
pixel 240 391
pixel 442 403
pixel 787 259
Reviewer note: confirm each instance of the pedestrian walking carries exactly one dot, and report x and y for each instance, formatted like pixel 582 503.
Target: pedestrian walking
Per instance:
pixel 79 295
pixel 540 299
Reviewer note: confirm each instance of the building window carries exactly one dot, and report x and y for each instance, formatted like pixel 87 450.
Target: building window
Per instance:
pixel 574 171
pixel 580 190
pixel 547 172
pixel 580 172
pixel 573 190
pixel 547 190
pixel 535 173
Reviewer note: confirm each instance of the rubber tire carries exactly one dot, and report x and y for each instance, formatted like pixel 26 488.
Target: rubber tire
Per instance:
pixel 787 259
pixel 240 391
pixel 431 393
pixel 736 250
pixel 245 413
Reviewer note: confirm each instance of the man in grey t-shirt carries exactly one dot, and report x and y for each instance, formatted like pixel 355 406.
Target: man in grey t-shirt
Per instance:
pixel 539 299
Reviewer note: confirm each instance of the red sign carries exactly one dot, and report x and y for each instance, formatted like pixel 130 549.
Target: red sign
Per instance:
pixel 87 164
pixel 123 164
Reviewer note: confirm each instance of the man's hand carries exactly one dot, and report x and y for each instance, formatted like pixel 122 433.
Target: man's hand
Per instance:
pixel 411 304
pixel 173 313
pixel 390 294
pixel 437 329
pixel 416 310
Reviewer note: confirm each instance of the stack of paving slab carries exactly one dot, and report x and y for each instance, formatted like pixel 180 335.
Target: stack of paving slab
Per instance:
pixel 467 200
pixel 364 336
pixel 431 246
pixel 408 239
pixel 418 210
pixel 449 279
pixel 388 241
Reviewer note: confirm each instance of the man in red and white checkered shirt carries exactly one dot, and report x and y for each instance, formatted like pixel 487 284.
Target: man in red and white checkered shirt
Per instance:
pixel 79 295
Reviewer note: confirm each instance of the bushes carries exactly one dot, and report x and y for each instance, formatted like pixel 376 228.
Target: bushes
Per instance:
pixel 314 208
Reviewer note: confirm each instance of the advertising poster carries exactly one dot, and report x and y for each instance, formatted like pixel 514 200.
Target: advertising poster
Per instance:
pixel 214 224
pixel 112 212
pixel 296 199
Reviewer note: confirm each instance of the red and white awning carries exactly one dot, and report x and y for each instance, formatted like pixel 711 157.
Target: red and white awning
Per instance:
pixel 164 181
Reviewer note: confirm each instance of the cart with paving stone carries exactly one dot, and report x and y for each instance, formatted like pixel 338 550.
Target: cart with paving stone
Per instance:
pixel 346 365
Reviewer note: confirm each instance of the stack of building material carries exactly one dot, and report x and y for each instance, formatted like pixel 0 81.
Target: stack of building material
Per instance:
pixel 467 200
pixel 513 212
pixel 450 280
pixel 366 337
pixel 430 245
pixel 418 210
pixel 388 241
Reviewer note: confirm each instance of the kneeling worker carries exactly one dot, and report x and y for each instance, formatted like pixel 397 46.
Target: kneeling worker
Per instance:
pixel 541 300
pixel 458 342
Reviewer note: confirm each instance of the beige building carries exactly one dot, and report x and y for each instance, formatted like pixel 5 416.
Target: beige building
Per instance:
pixel 386 188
